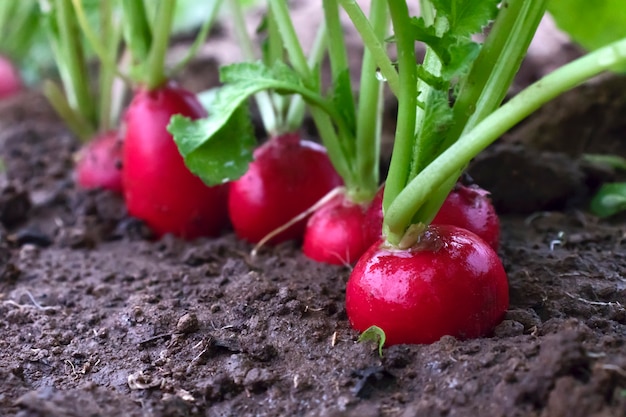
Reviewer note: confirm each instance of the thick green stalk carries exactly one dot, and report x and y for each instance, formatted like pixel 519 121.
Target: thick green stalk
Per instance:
pixel 368 128
pixel 373 43
pixel 497 63
pixel 453 160
pixel 407 103
pixel 489 80
pixel 160 43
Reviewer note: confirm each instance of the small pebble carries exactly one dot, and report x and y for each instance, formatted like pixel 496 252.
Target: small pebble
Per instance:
pixel 188 323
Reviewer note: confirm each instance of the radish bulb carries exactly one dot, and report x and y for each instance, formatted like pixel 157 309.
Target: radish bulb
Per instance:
pixel 449 282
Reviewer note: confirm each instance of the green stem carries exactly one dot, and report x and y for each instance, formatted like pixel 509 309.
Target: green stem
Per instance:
pixel 104 55
pixel 342 88
pixel 299 62
pixel 297 106
pixel 262 98
pixel 489 80
pixel 337 53
pixel 107 74
pixel 453 160
pixel 373 43
pixel 280 11
pixel 427 11
pixel 200 39
pixel 407 103
pixel 77 124
pixel 20 28
pixel 138 32
pixel 160 42
pixel 73 61
pixel 368 128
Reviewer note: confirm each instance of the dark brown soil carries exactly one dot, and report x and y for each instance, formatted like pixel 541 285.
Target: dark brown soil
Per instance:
pixel 96 320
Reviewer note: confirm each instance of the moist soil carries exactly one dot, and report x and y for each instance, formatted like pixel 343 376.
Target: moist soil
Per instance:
pixel 97 319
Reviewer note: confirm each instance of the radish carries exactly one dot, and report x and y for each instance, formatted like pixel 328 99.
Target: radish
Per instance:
pixel 99 163
pixel 92 114
pixel 288 175
pixel 450 282
pixel 340 232
pixel 470 207
pixel 158 187
pixel 10 79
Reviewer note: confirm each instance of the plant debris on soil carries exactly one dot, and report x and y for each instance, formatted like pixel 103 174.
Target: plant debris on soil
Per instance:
pixel 97 319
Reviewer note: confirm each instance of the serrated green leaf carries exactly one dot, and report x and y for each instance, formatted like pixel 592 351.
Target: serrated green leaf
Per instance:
pixel 466 17
pixel 374 334
pixel 438 117
pixel 343 99
pixel 609 200
pixel 463 54
pixel 592 24
pixel 428 35
pixel 258 72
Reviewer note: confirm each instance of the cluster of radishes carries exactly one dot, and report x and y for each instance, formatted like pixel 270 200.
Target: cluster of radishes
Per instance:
pixel 419 272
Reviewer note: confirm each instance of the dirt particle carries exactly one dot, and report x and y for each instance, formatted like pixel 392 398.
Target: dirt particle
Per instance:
pixel 188 323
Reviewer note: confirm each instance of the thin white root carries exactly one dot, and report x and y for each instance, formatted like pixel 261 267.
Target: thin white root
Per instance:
pixel 329 196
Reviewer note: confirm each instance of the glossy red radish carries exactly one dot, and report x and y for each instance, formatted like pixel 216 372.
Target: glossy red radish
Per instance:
pixel 287 177
pixel 451 282
pixel 158 187
pixel 10 79
pixel 99 163
pixel 338 233
pixel 470 207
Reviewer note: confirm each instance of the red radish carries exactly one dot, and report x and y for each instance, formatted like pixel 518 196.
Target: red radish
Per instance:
pixel 287 177
pixel 158 187
pixel 470 207
pixel 451 282
pixel 99 163
pixel 10 80
pixel 338 232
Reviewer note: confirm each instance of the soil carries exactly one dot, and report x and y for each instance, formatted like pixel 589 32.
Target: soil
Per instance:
pixel 97 319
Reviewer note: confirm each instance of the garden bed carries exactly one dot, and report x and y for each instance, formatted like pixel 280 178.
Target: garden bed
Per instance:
pixel 97 319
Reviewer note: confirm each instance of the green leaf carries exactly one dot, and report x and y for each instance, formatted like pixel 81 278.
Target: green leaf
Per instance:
pixel 257 72
pixel 428 35
pixel 374 334
pixel 592 24
pixel 610 200
pixel 226 156
pixel 438 118
pixel 466 17
pixel 343 99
